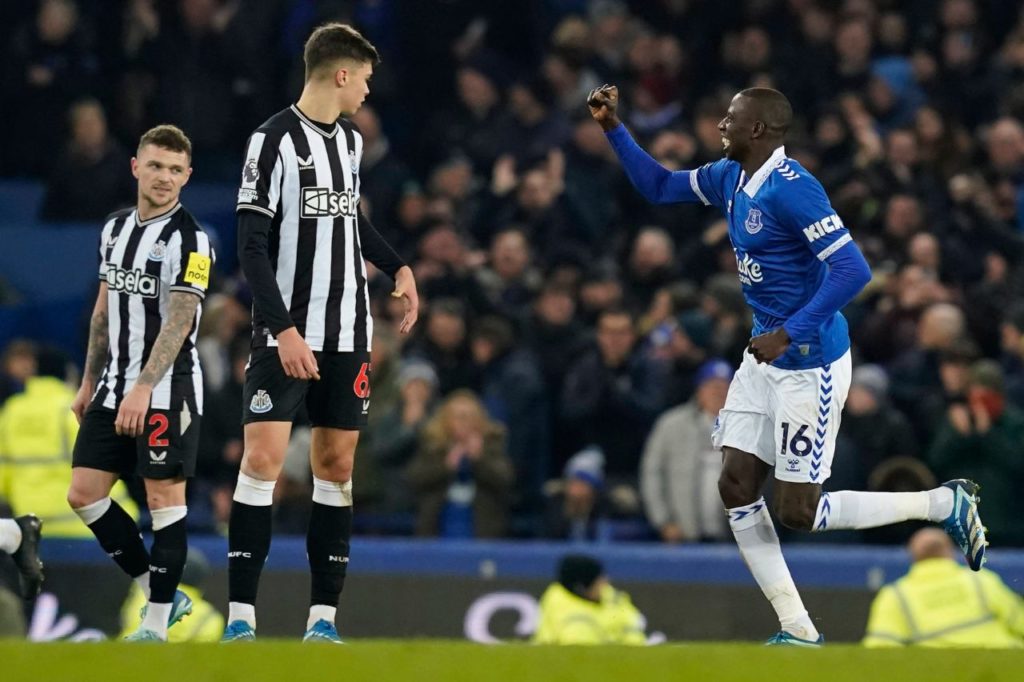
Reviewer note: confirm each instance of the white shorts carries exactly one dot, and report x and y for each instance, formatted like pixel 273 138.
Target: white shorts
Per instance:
pixel 787 417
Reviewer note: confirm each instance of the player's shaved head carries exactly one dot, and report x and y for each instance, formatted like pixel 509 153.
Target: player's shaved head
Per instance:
pixel 771 107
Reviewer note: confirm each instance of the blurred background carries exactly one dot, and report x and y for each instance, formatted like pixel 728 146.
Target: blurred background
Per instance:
pixel 584 337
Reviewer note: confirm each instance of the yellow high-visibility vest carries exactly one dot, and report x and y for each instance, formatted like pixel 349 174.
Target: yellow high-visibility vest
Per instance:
pixel 566 618
pixel 941 603
pixel 37 436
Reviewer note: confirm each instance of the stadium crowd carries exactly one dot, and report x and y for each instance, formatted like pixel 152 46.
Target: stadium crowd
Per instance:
pixel 576 342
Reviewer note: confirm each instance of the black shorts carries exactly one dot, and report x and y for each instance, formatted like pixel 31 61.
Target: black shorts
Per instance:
pixel 339 400
pixel 162 451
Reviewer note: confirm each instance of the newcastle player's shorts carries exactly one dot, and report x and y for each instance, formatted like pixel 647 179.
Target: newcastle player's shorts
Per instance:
pixel 167 447
pixel 340 399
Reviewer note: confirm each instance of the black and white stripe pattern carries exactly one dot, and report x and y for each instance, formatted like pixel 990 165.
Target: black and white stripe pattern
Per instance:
pixel 306 179
pixel 142 262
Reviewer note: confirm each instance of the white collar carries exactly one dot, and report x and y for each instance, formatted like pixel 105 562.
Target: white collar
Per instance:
pixel 761 174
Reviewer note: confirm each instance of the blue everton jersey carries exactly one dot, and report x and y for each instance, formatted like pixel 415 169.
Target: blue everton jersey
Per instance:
pixel 782 228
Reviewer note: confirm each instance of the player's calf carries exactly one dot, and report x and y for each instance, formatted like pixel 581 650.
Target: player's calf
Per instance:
pixel 796 504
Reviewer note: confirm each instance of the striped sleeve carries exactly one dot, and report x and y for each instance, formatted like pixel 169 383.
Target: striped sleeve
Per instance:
pixel 192 260
pixel 261 175
pixel 108 228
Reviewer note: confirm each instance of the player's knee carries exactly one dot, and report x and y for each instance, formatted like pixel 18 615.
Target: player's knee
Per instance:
pixel 262 464
pixel 795 516
pixel 733 490
pixel 336 469
pixel 78 498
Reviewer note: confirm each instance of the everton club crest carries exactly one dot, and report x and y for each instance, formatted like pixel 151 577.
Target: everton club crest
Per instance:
pixel 753 221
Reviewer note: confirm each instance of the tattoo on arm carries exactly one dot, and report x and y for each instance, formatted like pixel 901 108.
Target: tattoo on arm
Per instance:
pixel 181 312
pixel 99 342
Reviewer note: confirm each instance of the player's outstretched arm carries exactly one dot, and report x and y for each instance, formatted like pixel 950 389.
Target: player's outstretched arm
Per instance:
pixel 656 183
pixel 96 355
pixel 181 313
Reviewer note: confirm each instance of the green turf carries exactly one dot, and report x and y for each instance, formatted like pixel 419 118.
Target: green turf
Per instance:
pixel 429 660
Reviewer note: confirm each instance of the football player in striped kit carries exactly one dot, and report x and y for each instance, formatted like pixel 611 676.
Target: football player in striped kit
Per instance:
pixel 302 240
pixel 142 389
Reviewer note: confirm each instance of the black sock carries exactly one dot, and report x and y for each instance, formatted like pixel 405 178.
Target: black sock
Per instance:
pixel 248 545
pixel 119 537
pixel 330 530
pixel 167 560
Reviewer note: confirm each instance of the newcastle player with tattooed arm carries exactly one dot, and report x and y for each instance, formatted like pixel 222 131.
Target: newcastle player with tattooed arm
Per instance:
pixel 142 389
pixel 301 242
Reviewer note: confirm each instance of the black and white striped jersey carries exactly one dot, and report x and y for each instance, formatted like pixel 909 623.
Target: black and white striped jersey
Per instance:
pixel 305 177
pixel 142 262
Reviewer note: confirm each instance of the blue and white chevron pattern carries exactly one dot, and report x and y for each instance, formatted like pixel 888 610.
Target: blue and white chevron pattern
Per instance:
pixel 786 171
pixel 824 508
pixel 744 512
pixel 821 428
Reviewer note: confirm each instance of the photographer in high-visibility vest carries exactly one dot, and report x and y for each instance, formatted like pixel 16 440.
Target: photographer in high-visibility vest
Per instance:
pixel 942 603
pixel 584 608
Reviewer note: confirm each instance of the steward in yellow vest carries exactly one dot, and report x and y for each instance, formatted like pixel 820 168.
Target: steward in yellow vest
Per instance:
pixel 940 603
pixel 37 434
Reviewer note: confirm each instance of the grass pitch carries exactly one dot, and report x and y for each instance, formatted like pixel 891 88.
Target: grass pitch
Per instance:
pixel 429 660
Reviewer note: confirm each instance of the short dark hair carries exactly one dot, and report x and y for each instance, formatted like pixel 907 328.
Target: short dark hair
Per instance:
pixel 169 137
pixel 331 42
pixel 774 108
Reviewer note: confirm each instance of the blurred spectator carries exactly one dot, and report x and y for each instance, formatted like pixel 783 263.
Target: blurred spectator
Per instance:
pixel 389 441
pixel 445 346
pixel 979 441
pixel 461 475
pixel 915 374
pixel 221 446
pixel 37 433
pixel 679 469
pixel 50 64
pixel 612 396
pixel 512 389
pixel 224 319
pixel 877 429
pixel 17 366
pixel 1012 347
pixel 577 501
pixel 917 610
pixel 382 175
pixel 205 624
pixel 651 265
pixel 92 177
pixel 509 280
pixel 583 608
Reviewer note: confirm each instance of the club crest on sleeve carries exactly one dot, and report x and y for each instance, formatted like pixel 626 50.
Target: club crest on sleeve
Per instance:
pixel 753 222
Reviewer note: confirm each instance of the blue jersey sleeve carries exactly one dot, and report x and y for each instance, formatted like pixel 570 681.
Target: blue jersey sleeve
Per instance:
pixel 802 207
pixel 659 185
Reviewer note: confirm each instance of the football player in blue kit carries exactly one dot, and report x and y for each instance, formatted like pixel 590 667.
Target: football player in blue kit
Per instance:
pixel 798 266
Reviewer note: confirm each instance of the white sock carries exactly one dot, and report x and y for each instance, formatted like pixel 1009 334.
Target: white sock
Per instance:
pixel 143 582
pixel 331 493
pixel 91 513
pixel 849 509
pixel 759 545
pixel 940 504
pixel 156 618
pixel 10 536
pixel 253 491
pixel 240 611
pixel 320 612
